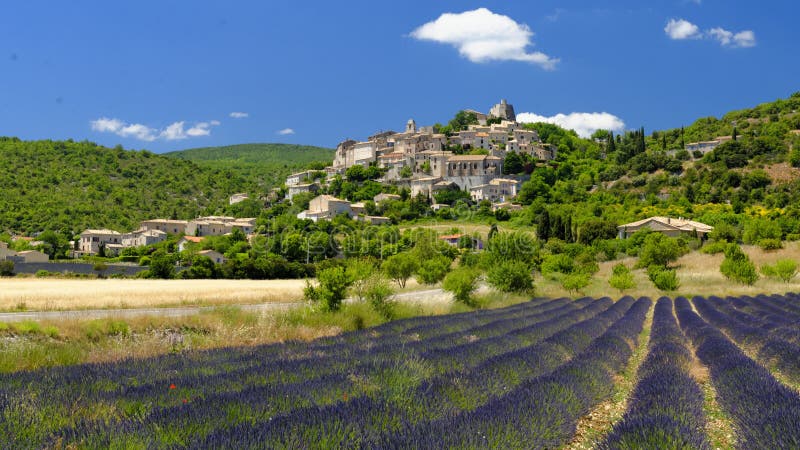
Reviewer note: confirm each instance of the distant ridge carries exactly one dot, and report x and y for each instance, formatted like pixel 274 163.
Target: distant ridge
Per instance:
pixel 270 153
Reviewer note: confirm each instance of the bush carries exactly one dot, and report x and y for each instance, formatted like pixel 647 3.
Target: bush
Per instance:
pixel 510 276
pixel 575 281
pixel 333 284
pixel 400 267
pixel 785 269
pixel 658 250
pixel 6 268
pixel 42 274
pixel 462 282
pixel 663 278
pixel 378 293
pixel 737 266
pixel 621 278
pixel 714 248
pixel 560 263
pixel 770 244
pixel 433 270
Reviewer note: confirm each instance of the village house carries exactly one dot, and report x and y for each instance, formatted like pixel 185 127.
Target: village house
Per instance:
pixel 383 197
pixel 237 198
pixel 5 252
pixel 29 256
pixel 325 207
pixel 142 237
pixel 498 189
pixel 707 146
pixel 295 189
pixel 187 241
pixel 213 255
pixel 91 241
pixel 166 225
pixel 666 225
pixel 299 178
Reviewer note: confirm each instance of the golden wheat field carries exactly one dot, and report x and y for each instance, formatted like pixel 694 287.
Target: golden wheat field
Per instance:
pixel 60 294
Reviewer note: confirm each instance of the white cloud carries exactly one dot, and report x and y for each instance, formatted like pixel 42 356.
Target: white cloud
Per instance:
pixel 285 131
pixel 679 29
pixel 742 39
pixel 682 29
pixel 481 36
pixel 126 130
pixel 583 123
pixel 174 131
pixel 239 115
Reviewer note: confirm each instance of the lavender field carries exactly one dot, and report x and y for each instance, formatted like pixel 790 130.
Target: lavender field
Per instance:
pixel 518 377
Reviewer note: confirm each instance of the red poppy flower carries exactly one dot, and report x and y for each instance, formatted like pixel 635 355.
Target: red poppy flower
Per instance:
pixel 172 386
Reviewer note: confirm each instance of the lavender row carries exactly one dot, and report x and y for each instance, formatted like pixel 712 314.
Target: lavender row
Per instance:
pixel 263 401
pixel 666 407
pixel 367 422
pixel 542 412
pixel 743 329
pixel 766 413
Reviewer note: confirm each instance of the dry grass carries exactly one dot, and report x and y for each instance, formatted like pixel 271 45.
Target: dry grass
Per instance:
pixel 59 294
pixel 698 274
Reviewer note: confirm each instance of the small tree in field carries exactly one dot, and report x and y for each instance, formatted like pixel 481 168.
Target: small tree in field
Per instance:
pixel 621 278
pixel 576 281
pixel 378 294
pixel 510 276
pixel 433 270
pixel 737 266
pixel 462 282
pixel 333 284
pixel 6 268
pixel 785 269
pixel 400 267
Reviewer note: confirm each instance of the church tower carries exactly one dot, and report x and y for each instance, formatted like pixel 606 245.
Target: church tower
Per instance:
pixel 411 126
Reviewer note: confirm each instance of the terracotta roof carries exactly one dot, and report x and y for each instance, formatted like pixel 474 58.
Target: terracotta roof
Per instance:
pixel 195 239
pixel 678 224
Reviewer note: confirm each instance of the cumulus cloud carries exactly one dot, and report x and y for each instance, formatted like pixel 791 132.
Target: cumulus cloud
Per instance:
pixel 583 123
pixel 172 132
pixel 285 131
pixel 239 115
pixel 682 29
pixel 742 39
pixel 481 36
pixel 679 29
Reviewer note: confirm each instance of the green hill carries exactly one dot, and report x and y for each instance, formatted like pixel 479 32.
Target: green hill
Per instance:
pixel 68 186
pixel 257 154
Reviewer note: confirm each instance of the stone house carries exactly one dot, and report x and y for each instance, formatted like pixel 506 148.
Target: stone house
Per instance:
pixel 166 225
pixel 666 225
pixel 213 255
pixel 91 240
pixel 326 207
pixel 142 237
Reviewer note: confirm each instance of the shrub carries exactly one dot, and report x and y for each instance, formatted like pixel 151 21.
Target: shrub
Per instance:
pixel 510 276
pixel 714 248
pixel 770 244
pixel 575 281
pixel 42 274
pixel 659 250
pixel 725 232
pixel 462 282
pixel 400 267
pixel 621 278
pixel 737 266
pixel 333 284
pixel 663 278
pixel 759 229
pixel 433 270
pixel 6 268
pixel 378 293
pixel 785 269
pixel 561 263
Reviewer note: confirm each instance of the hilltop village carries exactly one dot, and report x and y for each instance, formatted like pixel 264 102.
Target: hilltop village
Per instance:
pixel 425 162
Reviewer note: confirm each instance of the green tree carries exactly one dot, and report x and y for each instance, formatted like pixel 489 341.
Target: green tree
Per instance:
pixel 462 282
pixel 400 267
pixel 162 265
pixel 406 172
pixel 784 269
pixel 433 270
pixel 658 250
pixel 737 266
pixel 6 268
pixel 333 284
pixel 512 164
pixel 621 278
pixel 510 276
pixel 575 281
pixel 378 293
pixel 361 271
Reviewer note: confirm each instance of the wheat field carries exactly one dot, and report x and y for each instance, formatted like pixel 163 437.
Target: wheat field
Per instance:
pixel 60 294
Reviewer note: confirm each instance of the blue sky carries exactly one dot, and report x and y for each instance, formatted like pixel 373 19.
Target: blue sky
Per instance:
pixel 168 75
